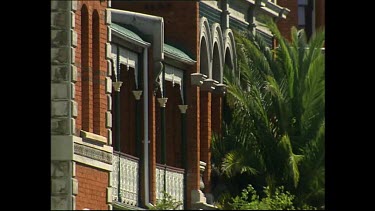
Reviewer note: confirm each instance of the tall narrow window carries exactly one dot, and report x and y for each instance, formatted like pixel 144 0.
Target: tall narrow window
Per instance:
pixel 85 73
pixel 96 71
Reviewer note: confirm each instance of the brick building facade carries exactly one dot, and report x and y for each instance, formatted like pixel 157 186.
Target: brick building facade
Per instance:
pixel 136 94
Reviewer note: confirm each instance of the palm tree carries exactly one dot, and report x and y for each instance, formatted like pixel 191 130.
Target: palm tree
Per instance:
pixel 277 127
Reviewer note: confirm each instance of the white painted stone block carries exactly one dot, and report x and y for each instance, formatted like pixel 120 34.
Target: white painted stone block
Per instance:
pixel 73 20
pixel 74 108
pixel 72 90
pixel 73 55
pixel 108 51
pixel 73 202
pixel 109 102
pixel 74 186
pixel 74 39
pixel 108 17
pixel 109 34
pixel 72 125
pixel 109 68
pixel 108 85
pixel 73 73
pixel 109 195
pixel 74 169
pixel 109 137
pixel 108 118
pixel 74 5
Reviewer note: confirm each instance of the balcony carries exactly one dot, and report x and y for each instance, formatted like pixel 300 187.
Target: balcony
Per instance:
pixel 174 182
pixel 129 175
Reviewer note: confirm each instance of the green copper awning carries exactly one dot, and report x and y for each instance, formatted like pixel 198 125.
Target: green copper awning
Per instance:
pixel 127 33
pixel 177 54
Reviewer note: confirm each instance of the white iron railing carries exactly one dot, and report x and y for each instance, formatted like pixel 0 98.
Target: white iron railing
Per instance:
pixel 174 182
pixel 129 175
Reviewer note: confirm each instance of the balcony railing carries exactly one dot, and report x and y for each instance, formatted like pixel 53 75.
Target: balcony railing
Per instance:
pixel 129 175
pixel 174 182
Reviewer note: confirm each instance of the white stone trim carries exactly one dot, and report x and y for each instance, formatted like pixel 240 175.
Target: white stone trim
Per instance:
pixel 109 132
pixel 108 51
pixel 74 5
pixel 110 175
pixel 93 136
pixel 72 55
pixel 205 32
pixel 108 18
pixel 73 202
pixel 73 73
pixel 109 67
pixel 229 43
pixel 92 162
pixel 109 102
pixel 72 125
pixel 74 39
pixel 217 37
pixel 74 169
pixel 109 34
pixel 72 20
pixel 74 107
pixel 108 119
pixel 108 85
pixel 72 90
pixel 74 186
pixel 109 195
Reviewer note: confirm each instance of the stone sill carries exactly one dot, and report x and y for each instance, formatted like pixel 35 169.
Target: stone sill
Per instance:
pixel 93 137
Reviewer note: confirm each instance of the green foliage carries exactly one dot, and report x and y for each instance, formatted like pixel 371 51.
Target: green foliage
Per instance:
pixel 167 203
pixel 279 200
pixel 276 130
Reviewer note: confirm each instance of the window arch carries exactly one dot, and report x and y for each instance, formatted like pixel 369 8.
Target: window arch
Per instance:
pixel 204 61
pixel 217 43
pixel 205 48
pixel 96 71
pixel 230 50
pixel 85 73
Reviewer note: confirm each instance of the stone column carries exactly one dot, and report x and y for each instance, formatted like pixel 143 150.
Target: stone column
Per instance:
pixel 63 107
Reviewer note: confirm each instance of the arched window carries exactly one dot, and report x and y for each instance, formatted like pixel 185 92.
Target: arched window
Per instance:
pixel 85 73
pixel 96 71
pixel 204 62
pixel 216 67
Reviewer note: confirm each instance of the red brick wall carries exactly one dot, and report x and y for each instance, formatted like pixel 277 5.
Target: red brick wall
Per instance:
pixel 93 81
pixel 205 142
pixel 285 25
pixel 92 188
pixel 179 20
